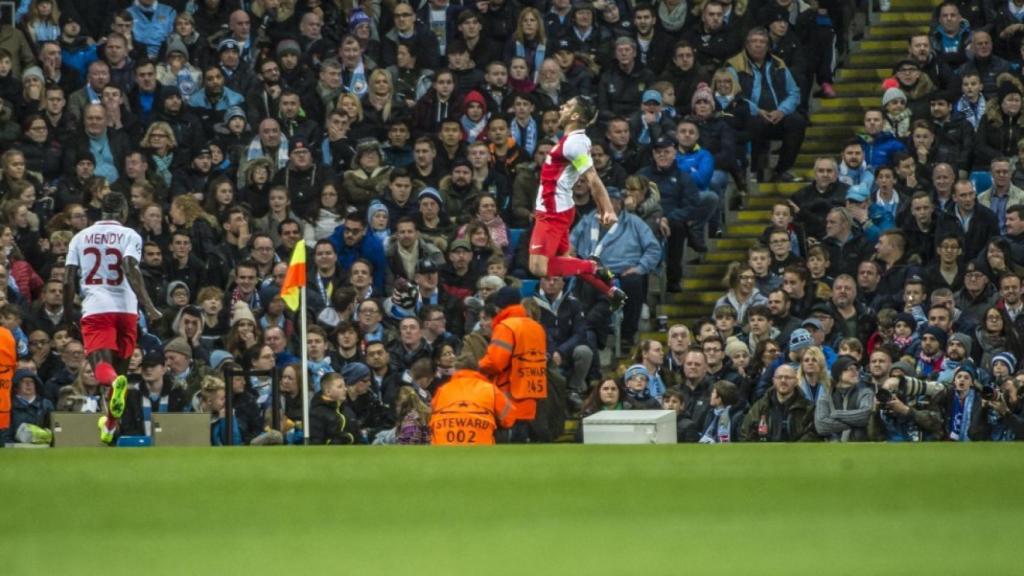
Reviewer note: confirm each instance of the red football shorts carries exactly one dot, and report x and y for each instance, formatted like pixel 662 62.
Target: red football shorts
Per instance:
pixel 551 233
pixel 117 331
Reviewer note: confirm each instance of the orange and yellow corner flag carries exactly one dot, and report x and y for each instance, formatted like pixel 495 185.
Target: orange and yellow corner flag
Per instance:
pixel 295 280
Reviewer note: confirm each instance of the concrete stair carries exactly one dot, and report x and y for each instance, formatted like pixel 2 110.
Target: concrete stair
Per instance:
pixel 833 121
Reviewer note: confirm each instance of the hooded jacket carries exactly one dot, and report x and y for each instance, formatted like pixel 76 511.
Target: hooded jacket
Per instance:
pixel 516 359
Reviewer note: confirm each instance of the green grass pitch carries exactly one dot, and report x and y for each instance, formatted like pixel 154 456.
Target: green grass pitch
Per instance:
pixel 514 510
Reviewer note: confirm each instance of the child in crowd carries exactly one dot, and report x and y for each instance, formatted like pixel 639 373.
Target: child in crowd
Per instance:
pixel 213 403
pixel 759 259
pixel 972 102
pixel 782 218
pixel 725 320
pixel 331 419
pixel 895 113
pixel 781 251
pixel 378 217
pixel 637 376
pixel 818 263
pixel 903 332
pixel 675 401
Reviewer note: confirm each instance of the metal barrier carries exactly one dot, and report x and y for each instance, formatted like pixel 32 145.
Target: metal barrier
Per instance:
pixel 229 392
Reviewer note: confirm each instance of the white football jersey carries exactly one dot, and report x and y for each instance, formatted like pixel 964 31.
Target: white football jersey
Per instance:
pixel 99 252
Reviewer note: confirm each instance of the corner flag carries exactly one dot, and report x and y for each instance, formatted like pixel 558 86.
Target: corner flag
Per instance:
pixel 295 280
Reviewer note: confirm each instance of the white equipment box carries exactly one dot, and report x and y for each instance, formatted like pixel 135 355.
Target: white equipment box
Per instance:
pixel 630 427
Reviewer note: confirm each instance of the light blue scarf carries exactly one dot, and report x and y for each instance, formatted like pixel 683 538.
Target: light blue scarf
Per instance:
pixel 526 138
pixel 357 84
pixel 538 57
pixel 960 423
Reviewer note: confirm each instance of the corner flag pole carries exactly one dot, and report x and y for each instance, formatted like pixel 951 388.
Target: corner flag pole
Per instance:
pixel 293 290
pixel 305 369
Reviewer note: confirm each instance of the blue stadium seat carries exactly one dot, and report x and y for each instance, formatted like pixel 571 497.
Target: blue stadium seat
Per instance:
pixel 982 181
pixel 528 288
pixel 514 236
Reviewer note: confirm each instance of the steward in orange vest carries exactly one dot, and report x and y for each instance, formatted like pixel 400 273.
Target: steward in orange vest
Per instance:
pixel 468 409
pixel 516 359
pixel 8 363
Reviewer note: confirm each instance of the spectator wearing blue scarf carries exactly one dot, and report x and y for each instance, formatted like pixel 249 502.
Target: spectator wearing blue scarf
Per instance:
pixel 964 419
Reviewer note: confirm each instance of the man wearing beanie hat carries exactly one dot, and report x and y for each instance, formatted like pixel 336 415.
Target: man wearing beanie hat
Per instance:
pixel 929 356
pixel 188 127
pixel 516 359
pixel 370 412
pixel 958 353
pixel 182 371
pixel 843 412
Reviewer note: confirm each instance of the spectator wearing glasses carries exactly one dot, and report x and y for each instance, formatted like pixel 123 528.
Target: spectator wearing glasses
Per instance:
pixel 41 351
pixel 407 30
pixel 351 241
pixel 741 283
pixel 72 358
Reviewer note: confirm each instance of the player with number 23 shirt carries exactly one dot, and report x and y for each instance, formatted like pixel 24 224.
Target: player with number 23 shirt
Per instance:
pixel 103 265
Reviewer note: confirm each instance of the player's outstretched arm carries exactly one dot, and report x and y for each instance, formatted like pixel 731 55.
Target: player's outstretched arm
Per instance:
pixel 134 275
pixel 605 211
pixel 70 290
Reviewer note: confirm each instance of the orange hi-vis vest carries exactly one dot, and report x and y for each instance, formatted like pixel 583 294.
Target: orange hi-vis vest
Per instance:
pixel 467 410
pixel 517 359
pixel 8 364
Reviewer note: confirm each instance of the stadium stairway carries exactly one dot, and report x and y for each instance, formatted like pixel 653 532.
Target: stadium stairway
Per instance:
pixel 833 121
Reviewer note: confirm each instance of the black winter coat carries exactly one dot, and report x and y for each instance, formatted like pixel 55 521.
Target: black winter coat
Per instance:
pixel 619 92
pixel 332 423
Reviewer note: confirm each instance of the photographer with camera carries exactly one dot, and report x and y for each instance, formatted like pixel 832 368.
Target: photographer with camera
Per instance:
pixel 905 411
pixel 1005 411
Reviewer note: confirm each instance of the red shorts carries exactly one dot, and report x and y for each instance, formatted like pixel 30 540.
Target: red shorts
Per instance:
pixel 551 233
pixel 115 331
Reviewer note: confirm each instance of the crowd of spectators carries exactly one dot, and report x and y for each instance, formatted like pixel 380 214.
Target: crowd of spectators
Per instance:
pixel 402 143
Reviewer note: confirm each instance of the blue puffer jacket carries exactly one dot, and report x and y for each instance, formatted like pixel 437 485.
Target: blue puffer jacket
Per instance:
pixel 699 164
pixel 878 150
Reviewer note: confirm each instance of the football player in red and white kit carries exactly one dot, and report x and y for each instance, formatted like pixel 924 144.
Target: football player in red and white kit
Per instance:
pixel 567 162
pixel 106 255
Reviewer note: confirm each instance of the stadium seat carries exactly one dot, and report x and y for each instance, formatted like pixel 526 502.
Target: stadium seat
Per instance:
pixel 982 181
pixel 528 288
pixel 514 236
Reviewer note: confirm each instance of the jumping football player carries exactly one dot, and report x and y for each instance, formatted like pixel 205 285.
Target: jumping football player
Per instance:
pixel 567 162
